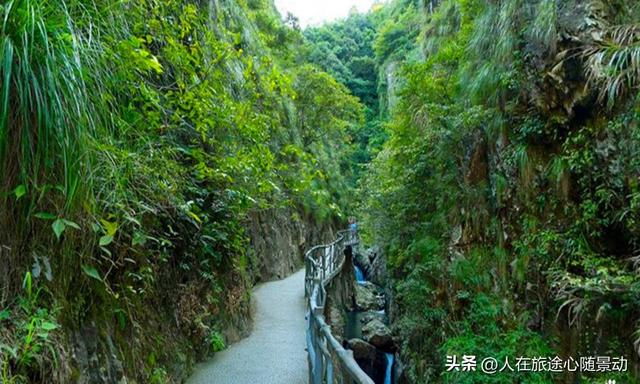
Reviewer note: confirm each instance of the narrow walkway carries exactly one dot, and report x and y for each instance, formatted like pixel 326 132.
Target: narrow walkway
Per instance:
pixel 274 353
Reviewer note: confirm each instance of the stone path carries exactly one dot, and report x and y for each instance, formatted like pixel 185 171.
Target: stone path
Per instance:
pixel 274 353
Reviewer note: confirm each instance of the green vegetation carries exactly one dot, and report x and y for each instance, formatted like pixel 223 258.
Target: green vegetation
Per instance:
pixel 135 139
pixel 492 146
pixel 505 195
pixel 345 50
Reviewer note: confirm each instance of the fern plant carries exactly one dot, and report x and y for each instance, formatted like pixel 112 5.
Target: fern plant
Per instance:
pixel 612 64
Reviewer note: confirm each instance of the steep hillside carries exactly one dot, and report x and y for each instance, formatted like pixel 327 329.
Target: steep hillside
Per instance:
pixel 506 196
pixel 158 158
pixel 142 147
pixel 345 49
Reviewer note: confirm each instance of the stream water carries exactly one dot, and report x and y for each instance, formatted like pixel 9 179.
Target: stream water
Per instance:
pixel 389 369
pixel 354 327
pixel 359 275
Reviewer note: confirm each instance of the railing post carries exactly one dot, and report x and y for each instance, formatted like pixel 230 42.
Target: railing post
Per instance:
pixel 334 257
pixel 332 265
pixel 317 339
pixel 324 264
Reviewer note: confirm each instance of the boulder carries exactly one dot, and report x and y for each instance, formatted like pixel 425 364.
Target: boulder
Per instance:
pixel 379 335
pixel 362 350
pixel 370 359
pixel 368 316
pixel 368 298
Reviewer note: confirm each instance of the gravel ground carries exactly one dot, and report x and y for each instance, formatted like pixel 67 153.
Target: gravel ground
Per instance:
pixel 274 353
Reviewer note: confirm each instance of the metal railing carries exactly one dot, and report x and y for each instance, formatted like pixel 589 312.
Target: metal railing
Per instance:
pixel 322 264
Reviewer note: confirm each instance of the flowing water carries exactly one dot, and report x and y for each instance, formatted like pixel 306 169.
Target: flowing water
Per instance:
pixel 359 275
pixel 388 372
pixel 354 328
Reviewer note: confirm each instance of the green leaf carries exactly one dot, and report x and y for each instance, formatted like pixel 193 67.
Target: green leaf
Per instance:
pixel 45 216
pixel 58 227
pixel 155 64
pixel 110 227
pixel 91 272
pixel 49 326
pixel 106 240
pixel 122 320
pixel 5 314
pixel 20 191
pixel 194 216
pixel 139 238
pixel 71 224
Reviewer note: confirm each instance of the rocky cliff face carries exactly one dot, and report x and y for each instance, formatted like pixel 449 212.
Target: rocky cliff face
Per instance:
pixel 522 216
pixel 279 239
pixel 341 297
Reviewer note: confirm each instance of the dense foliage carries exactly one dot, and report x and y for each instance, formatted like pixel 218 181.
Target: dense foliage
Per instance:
pixel 135 138
pixel 345 49
pixel 506 196
pixel 495 147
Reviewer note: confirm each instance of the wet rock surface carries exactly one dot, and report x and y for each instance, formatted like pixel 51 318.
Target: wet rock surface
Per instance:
pixel 368 297
pixel 369 337
pixel 362 350
pixel 369 358
pixel 379 335
pixel 374 265
pixel 279 238
pixel 97 357
pixel 336 319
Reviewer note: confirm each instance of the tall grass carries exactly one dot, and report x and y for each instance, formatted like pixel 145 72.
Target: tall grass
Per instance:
pixel 492 52
pixel 46 120
pixel 544 29
pixel 45 113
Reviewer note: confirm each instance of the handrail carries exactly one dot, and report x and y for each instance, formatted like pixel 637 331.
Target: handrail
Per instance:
pixel 322 264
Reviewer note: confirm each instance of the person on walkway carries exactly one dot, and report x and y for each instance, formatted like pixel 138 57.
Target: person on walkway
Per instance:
pixel 353 228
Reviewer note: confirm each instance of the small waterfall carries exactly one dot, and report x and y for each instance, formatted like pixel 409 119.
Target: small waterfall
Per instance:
pixel 359 275
pixel 389 372
pixel 353 329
